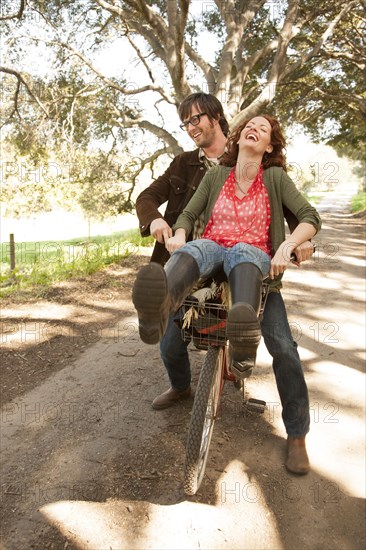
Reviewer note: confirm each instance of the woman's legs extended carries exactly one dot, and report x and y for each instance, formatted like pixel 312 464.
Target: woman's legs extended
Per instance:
pixel 158 291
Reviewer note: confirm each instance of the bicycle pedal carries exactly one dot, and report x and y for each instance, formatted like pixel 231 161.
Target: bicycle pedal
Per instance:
pixel 256 405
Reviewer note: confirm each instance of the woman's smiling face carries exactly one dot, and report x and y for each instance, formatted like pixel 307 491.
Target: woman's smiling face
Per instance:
pixel 256 134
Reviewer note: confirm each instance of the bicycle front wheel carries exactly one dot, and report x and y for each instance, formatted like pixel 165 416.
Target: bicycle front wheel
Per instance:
pixel 203 418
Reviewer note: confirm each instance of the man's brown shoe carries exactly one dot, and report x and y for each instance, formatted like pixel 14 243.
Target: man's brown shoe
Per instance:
pixel 297 460
pixel 169 397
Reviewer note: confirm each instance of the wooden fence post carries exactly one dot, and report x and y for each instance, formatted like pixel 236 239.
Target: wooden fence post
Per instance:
pixel 12 252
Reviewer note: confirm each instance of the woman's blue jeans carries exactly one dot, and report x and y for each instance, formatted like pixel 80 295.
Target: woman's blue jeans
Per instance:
pixel 211 256
pixel 286 364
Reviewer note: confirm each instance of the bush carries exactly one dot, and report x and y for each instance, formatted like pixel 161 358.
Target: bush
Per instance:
pixel 358 203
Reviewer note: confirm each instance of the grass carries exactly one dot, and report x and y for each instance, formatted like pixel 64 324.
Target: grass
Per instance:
pixel 45 262
pixel 358 203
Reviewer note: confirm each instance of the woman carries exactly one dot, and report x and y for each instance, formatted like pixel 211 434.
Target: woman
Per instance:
pixel 241 202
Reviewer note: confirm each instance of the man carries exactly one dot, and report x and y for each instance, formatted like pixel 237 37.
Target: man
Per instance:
pixel 203 118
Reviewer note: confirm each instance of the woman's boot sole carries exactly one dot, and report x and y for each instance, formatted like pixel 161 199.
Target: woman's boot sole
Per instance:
pixel 151 300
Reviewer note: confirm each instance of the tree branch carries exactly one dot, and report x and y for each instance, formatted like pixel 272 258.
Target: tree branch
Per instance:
pixel 167 41
pixel 278 70
pixel 175 58
pixel 343 97
pixel 288 31
pixel 236 100
pixel 236 22
pixel 209 72
pixel 21 80
pixel 150 161
pixel 17 15
pixel 114 85
pixel 123 122
pixel 135 17
pixel 346 56
pixel 139 53
pixel 326 34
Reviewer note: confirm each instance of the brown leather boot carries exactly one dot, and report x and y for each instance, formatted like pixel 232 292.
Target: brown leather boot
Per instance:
pixel 297 460
pixel 169 397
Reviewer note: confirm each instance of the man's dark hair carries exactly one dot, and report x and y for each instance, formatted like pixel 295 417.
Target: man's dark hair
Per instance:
pixel 205 103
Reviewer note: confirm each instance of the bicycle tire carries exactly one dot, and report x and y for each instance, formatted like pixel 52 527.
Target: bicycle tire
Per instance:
pixel 205 406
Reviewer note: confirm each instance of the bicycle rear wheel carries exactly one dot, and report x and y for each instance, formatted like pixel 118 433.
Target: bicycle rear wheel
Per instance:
pixel 203 417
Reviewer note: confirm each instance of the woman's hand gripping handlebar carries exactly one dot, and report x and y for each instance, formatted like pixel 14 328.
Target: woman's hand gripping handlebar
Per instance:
pixel 300 254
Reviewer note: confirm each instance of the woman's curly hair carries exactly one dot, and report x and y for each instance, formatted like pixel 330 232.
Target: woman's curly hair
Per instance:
pixel 275 158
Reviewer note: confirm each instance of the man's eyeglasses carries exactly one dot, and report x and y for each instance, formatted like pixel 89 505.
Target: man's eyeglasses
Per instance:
pixel 193 120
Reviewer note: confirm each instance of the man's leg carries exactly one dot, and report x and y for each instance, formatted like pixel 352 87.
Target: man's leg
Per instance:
pixel 174 354
pixel 290 380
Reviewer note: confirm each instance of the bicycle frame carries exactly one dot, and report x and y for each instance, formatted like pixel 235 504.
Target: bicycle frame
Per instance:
pixel 207 329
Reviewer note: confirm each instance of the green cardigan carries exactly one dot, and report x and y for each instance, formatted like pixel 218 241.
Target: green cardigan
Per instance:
pixel 281 191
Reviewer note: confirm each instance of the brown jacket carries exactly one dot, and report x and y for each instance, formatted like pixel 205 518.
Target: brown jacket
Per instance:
pixel 176 187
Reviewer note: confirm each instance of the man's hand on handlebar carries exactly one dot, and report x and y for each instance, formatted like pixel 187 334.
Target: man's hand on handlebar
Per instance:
pixel 160 230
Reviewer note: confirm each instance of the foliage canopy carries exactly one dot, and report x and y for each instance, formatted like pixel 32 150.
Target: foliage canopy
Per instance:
pixel 112 74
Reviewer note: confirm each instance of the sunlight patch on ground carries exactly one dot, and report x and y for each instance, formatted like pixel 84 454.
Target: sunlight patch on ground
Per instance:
pixel 237 489
pixel 342 382
pixel 328 314
pixel 311 278
pixel 326 332
pixel 33 327
pixel 120 525
pixel 354 286
pixel 350 260
pixel 46 310
pixel 337 434
pixel 357 241
pixel 337 453
pixel 106 302
pixel 29 325
pixel 87 524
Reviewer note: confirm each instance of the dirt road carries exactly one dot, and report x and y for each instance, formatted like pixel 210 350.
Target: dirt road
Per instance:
pixel 88 464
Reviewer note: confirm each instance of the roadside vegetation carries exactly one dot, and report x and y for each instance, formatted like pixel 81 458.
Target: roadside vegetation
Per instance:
pixel 40 264
pixel 359 203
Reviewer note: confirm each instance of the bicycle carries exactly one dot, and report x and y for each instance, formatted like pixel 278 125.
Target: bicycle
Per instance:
pixel 207 331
